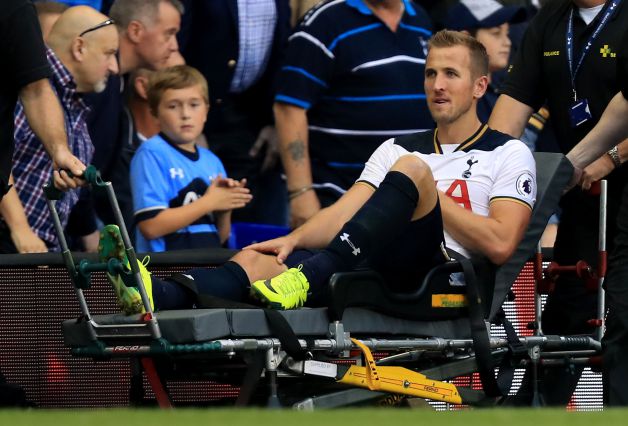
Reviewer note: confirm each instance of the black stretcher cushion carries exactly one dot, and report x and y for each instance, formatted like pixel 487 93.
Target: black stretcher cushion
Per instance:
pixel 202 325
pixel 365 322
pixel 181 326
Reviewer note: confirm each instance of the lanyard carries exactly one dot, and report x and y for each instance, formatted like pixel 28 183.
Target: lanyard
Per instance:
pixel 610 11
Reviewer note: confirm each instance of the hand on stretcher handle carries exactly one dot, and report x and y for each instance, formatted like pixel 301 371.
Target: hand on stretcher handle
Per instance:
pixel 91 175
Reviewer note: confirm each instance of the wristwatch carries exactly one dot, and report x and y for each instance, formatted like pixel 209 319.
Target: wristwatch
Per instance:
pixel 614 154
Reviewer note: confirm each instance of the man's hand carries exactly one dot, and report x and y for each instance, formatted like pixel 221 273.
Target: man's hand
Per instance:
pixel 281 247
pixel 64 160
pixel 267 137
pixel 576 177
pixel 595 171
pixel 303 207
pixel 26 241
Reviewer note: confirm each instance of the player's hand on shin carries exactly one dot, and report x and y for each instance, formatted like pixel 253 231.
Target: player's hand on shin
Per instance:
pixel 303 207
pixel 226 194
pixel 280 247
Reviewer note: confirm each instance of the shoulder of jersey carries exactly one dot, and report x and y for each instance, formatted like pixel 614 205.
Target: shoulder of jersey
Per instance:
pixel 322 9
pixel 491 140
pixel 422 142
pixel 154 144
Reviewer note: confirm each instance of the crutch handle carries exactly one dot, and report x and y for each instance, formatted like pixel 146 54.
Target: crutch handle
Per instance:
pixel 91 175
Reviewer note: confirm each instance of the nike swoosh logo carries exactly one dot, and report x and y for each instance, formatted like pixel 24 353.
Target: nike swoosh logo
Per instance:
pixel 270 287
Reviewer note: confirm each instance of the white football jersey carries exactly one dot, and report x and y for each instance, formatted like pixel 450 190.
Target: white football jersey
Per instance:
pixel 488 166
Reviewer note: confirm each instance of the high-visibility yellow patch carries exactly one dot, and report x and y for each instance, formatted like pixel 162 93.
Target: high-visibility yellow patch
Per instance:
pixel 449 301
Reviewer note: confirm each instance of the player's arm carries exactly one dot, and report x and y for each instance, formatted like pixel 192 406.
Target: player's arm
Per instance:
pixel 321 228
pixel 495 236
pixel 510 116
pixel 511 197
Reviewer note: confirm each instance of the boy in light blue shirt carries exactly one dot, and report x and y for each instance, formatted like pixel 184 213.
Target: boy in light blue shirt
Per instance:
pixel 181 195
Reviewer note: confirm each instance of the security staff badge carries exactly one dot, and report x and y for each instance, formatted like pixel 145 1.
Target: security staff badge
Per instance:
pixel 579 112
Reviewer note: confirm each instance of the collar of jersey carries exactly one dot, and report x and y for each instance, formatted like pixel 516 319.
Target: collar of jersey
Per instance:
pixel 191 155
pixel 364 9
pixel 465 145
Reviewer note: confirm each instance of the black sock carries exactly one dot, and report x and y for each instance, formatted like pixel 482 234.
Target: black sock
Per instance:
pixel 171 295
pixel 228 281
pixel 378 222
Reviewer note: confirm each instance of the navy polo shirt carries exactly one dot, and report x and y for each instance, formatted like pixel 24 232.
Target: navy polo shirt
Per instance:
pixel 622 67
pixel 360 82
pixel 540 71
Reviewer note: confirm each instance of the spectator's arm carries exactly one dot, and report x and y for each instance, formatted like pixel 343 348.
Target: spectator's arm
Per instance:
pixel 45 116
pixel 216 198
pixel 510 116
pixel 23 237
pixel 291 122
pixel 609 131
pixel 223 223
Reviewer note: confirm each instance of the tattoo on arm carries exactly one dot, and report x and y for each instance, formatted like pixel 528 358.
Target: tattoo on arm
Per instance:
pixel 297 150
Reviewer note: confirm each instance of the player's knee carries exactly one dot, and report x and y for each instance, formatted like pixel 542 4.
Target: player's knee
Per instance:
pixel 247 259
pixel 415 168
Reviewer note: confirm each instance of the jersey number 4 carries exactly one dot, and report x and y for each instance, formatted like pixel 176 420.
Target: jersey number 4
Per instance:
pixel 459 192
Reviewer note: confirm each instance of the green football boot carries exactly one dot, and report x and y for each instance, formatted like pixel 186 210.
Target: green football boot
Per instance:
pixel 129 298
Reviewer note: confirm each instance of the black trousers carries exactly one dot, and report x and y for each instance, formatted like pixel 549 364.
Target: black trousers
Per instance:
pixel 571 305
pixel 615 342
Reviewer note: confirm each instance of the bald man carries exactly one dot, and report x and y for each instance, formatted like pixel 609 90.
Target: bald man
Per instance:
pixel 81 51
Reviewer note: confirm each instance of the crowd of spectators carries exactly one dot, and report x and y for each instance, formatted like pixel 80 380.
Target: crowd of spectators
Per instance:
pixel 294 98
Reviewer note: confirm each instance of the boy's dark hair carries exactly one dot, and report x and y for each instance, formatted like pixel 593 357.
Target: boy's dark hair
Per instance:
pixel 177 77
pixel 477 52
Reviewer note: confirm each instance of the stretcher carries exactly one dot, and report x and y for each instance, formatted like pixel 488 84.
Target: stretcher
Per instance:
pixel 331 356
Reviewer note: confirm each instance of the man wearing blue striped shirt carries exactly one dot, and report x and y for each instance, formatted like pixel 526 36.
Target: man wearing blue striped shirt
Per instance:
pixel 353 77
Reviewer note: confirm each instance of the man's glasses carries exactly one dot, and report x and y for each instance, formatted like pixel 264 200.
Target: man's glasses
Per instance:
pixel 95 27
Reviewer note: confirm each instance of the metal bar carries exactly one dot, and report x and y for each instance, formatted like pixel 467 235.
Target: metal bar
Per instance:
pixel 69 261
pixel 601 302
pixel 538 301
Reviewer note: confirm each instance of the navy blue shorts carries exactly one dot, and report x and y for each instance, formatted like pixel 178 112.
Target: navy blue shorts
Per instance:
pixel 405 261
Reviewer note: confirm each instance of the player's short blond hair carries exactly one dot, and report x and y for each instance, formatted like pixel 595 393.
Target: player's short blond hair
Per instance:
pixel 477 51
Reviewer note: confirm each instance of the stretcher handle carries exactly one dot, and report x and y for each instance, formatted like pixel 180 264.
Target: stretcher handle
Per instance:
pixel 91 175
